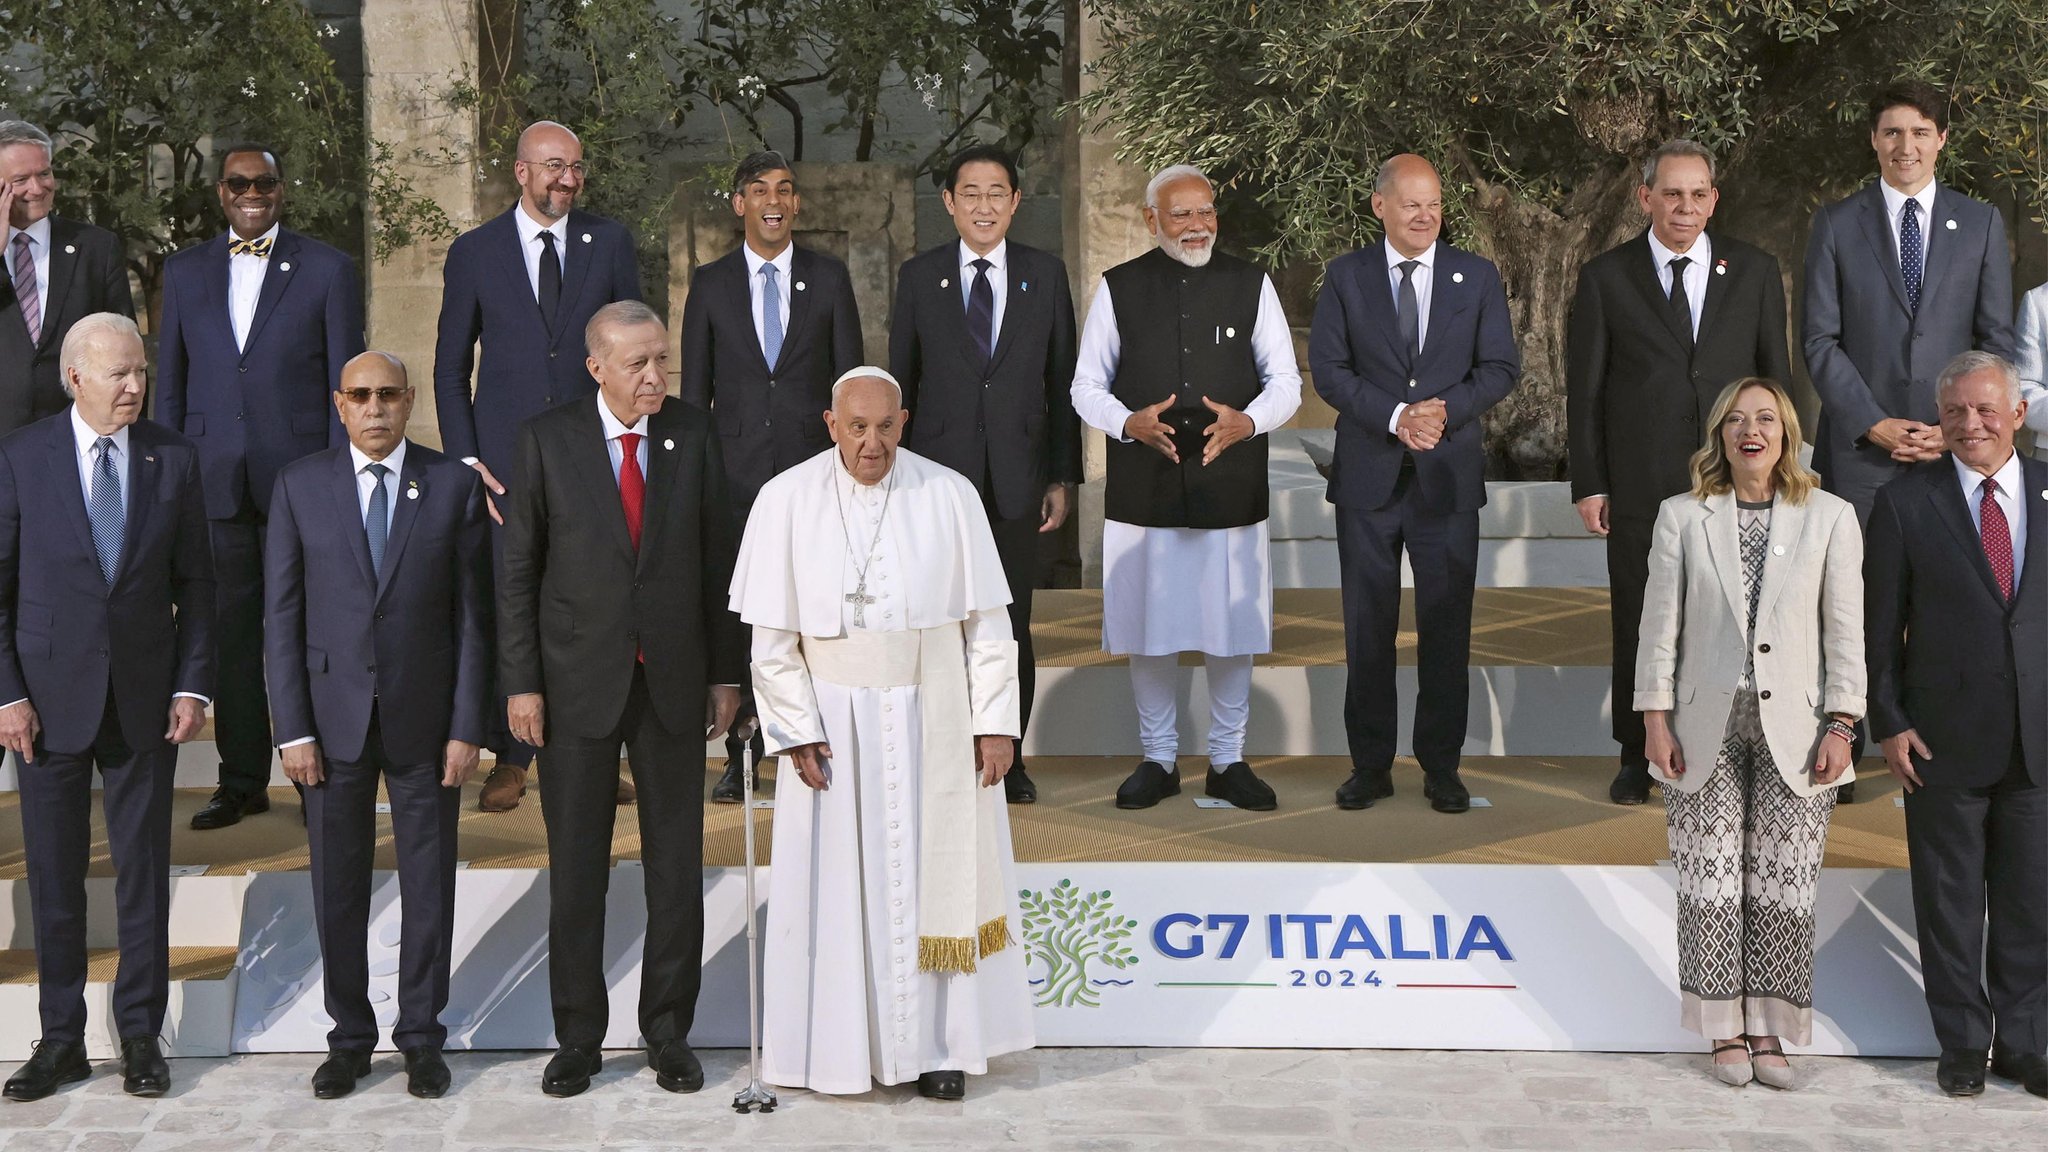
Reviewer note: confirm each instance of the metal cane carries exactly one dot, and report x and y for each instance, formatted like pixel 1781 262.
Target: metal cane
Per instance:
pixel 755 1094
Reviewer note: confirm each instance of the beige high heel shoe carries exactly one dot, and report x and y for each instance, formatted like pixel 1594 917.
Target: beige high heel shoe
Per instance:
pixel 1777 1076
pixel 1735 1074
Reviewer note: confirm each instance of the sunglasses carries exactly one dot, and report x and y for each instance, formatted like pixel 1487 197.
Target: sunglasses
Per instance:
pixel 362 396
pixel 264 185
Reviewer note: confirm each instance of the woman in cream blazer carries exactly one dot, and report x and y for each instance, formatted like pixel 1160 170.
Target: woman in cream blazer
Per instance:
pixel 1750 677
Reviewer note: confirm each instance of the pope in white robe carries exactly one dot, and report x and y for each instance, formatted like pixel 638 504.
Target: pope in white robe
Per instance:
pixel 886 678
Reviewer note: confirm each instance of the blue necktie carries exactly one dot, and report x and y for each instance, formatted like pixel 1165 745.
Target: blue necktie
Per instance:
pixel 1909 252
pixel 771 316
pixel 378 523
pixel 981 311
pixel 104 512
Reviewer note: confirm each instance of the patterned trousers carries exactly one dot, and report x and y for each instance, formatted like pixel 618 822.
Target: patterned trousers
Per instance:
pixel 1748 852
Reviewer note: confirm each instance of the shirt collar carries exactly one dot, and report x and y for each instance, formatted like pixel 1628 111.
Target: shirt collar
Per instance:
pixel 2008 477
pixel 270 236
pixel 38 232
pixel 782 261
pixel 530 231
pixel 83 437
pixel 998 256
pixel 613 429
pixel 1895 201
pixel 395 461
pixel 1702 253
pixel 1427 259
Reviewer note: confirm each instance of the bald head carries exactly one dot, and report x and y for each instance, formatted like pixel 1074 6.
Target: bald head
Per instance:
pixel 374 369
pixel 549 168
pixel 1409 200
pixel 545 131
pixel 374 401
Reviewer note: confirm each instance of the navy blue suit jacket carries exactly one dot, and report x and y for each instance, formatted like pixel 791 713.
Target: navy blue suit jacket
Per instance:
pixel 65 637
pixel 1468 358
pixel 414 639
pixel 530 363
pixel 251 411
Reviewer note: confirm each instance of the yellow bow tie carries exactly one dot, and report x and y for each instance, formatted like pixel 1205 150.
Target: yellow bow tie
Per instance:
pixel 257 248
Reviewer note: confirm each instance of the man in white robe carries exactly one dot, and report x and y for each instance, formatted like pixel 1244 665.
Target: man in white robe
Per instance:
pixel 1186 363
pixel 886 679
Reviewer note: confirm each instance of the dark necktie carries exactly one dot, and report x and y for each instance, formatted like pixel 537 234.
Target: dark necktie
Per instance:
pixel 1996 535
pixel 25 287
pixel 1681 300
pixel 377 524
pixel 1408 314
pixel 550 278
pixel 632 484
pixel 108 520
pixel 1910 252
pixel 981 311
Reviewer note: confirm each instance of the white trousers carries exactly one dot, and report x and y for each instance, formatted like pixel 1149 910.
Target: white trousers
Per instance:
pixel 1155 681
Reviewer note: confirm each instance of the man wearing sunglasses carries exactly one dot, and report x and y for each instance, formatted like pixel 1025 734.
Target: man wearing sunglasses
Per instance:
pixel 256 325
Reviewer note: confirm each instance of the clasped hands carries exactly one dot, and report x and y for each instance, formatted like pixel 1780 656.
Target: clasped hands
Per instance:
pixel 992 758
pixel 1421 425
pixel 1147 428
pixel 1909 441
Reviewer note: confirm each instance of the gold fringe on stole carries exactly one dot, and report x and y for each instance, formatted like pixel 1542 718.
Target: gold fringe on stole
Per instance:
pixel 945 954
pixel 994 936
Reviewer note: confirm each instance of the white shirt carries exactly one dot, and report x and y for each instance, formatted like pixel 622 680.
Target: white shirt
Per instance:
pixel 531 248
pixel 613 429
pixel 1272 352
pixel 2009 501
pixel 1894 209
pixel 39 249
pixel 1702 257
pixel 1423 279
pixel 366 483
pixel 245 284
pixel 755 282
pixel 998 280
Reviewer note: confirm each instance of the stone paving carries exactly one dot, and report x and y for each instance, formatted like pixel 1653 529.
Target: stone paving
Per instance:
pixel 1080 1099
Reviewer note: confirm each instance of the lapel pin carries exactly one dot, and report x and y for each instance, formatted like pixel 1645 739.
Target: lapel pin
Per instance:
pixel 285 266
pixel 152 460
pixel 71 249
pixel 799 285
pixel 1231 333
pixel 586 237
pixel 1951 225
pixel 1457 277
pixel 668 445
pixel 945 283
pixel 1720 267
pixel 1024 286
pixel 412 493
pixel 1779 550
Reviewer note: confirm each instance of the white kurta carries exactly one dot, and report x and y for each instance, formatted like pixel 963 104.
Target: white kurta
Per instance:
pixel 844 1004
pixel 1167 590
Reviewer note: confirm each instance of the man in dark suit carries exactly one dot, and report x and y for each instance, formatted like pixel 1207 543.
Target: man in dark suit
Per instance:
pixel 516 294
pixel 256 325
pixel 1955 580
pixel 1659 326
pixel 377 630
pixel 982 342
pixel 767 328
pixel 57 271
pixel 614 633
pixel 106 659
pixel 1411 345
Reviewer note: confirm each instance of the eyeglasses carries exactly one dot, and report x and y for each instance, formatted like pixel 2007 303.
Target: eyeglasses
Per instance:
pixel 557 167
pixel 238 185
pixel 1183 215
pixel 994 198
pixel 361 396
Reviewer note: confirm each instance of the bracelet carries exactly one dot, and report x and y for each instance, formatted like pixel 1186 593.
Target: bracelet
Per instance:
pixel 1839 728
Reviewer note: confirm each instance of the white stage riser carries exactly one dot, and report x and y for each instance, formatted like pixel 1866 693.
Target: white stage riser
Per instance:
pixel 206 912
pixel 198 1021
pixel 1572 958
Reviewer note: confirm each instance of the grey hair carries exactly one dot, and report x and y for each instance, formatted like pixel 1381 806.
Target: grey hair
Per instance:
pixel 14 132
pixel 1678 146
pixel 1383 180
pixel 82 333
pixel 1972 362
pixel 617 314
pixel 1168 175
pixel 865 372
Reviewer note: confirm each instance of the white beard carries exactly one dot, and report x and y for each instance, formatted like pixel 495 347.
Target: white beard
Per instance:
pixel 1195 259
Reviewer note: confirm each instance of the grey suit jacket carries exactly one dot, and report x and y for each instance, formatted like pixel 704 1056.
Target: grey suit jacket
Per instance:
pixel 1809 630
pixel 1870 354
pixel 2031 354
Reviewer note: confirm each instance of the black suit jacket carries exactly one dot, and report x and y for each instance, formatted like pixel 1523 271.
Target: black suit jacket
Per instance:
pixel 413 640
pixel 1010 420
pixel 87 275
pixel 65 637
pixel 1638 390
pixel 770 417
pixel 576 601
pixel 1948 657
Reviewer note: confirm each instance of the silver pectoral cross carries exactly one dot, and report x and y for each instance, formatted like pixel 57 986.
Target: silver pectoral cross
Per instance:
pixel 860 600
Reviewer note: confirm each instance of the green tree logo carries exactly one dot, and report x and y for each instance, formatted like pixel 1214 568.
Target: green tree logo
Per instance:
pixel 1070 930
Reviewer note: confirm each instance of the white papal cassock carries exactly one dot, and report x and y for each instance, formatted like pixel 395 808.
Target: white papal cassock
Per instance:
pixel 845 1002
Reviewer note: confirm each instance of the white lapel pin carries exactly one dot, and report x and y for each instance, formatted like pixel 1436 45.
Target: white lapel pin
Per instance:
pixel 945 283
pixel 1721 269
pixel 1231 333
pixel 1778 551
pixel 152 460
pixel 668 445
pixel 412 493
pixel 285 267
pixel 586 237
pixel 1951 225
pixel 1457 277
pixel 71 249
pixel 2044 493
pixel 799 285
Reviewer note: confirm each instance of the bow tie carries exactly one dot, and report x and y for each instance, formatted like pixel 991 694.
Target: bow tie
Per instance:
pixel 257 248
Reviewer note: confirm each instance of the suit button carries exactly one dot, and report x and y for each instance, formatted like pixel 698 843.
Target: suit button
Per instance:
pixel 636 585
pixel 1763 647
pixel 373 669
pixel 551 355
pixel 1691 419
pixel 242 368
pixel 380 615
pixel 1764 695
pixel 547 399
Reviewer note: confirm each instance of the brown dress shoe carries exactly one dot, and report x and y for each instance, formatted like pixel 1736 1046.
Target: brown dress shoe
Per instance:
pixel 502 789
pixel 627 793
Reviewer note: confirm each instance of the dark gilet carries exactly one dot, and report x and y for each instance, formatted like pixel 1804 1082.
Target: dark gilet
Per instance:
pixel 1187 333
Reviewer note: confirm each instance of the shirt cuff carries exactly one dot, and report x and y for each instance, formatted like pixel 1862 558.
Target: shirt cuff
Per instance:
pixel 299 741
pixel 12 703
pixel 470 460
pixel 1394 423
pixel 193 696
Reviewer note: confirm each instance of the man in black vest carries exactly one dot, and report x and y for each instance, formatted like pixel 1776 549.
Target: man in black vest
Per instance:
pixel 983 344
pixel 1210 369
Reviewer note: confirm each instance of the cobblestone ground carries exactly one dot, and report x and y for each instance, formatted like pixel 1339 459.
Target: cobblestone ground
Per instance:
pixel 1097 1099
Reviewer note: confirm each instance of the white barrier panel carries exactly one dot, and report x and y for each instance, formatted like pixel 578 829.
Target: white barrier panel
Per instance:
pixel 1442 956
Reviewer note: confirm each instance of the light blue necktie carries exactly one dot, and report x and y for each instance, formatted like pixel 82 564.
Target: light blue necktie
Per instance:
pixel 378 523
pixel 771 316
pixel 104 512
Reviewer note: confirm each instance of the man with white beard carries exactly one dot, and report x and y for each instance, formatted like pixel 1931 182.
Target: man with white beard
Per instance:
pixel 885 675
pixel 1186 362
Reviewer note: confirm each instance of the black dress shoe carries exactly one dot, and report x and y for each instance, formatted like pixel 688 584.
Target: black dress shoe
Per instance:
pixel 227 807
pixel 426 1073
pixel 1244 790
pixel 1631 785
pixel 569 1073
pixel 337 1075
pixel 1017 787
pixel 942 1085
pixel 1960 1072
pixel 676 1068
pixel 52 1065
pixel 143 1069
pixel 1445 792
pixel 1147 785
pixel 2029 1068
pixel 730 785
pixel 1365 788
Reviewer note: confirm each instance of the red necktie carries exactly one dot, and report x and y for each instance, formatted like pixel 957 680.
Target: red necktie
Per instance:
pixel 1997 536
pixel 632 485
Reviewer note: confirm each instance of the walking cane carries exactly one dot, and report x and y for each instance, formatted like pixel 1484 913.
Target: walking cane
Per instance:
pixel 755 1094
